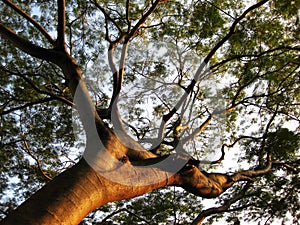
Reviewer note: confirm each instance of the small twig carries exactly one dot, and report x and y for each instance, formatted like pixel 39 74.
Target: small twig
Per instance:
pixel 288 166
pixel 226 13
pixel 36 160
pixel 122 210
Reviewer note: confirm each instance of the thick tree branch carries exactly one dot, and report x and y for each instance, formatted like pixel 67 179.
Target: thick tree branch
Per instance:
pixel 223 208
pixel 27 46
pixel 61 25
pixel 31 20
pixel 211 185
pixel 248 175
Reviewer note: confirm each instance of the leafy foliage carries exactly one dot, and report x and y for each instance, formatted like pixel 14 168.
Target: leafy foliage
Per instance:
pixel 254 76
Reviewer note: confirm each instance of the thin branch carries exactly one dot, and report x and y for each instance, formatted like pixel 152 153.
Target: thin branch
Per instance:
pixel 37 89
pixel 39 101
pixel 232 30
pixel 3 212
pixel 121 210
pixel 205 62
pixel 117 75
pixel 36 160
pixel 288 166
pixel 107 16
pixel 249 174
pixel 198 130
pixel 226 13
pixel 268 127
pixel 127 14
pixel 215 161
pixel 31 20
pixel 134 30
pixel 296 48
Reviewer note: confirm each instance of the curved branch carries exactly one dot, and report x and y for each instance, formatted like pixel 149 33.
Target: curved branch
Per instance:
pixel 249 174
pixel 223 208
pixel 107 16
pixel 134 30
pixel 211 185
pixel 118 75
pixel 38 162
pixel 237 57
pixel 31 20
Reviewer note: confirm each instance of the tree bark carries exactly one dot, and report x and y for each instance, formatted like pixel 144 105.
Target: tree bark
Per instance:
pixel 69 197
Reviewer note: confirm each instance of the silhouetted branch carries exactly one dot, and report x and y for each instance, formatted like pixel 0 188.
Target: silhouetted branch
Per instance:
pixel 27 46
pixel 202 66
pixel 61 26
pixel 36 160
pixel 32 103
pixel 107 16
pixel 223 208
pixel 141 21
pixel 122 210
pixel 31 20
pixel 249 174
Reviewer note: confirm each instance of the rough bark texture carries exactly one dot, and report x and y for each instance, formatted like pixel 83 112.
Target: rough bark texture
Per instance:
pixel 69 197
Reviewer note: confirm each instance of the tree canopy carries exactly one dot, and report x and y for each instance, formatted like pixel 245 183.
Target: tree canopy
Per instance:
pixel 195 99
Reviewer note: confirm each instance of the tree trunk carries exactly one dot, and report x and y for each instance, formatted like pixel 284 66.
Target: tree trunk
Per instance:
pixel 69 197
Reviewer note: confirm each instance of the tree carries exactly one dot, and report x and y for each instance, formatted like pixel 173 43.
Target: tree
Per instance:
pixel 181 81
